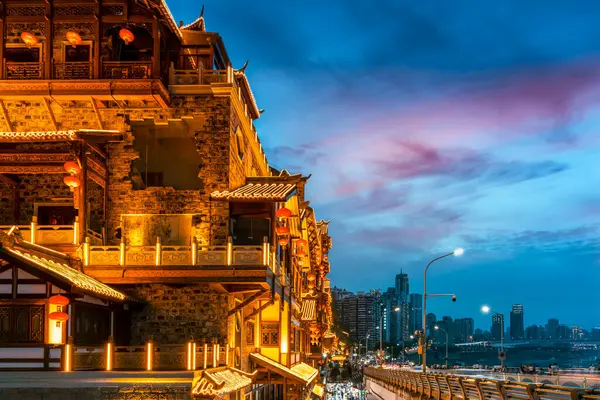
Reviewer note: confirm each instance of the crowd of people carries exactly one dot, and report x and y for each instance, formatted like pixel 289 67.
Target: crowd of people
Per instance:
pixel 344 391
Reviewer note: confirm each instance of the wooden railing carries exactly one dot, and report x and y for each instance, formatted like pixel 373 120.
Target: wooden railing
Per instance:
pixel 46 234
pixel 43 356
pixel 126 70
pixel 72 70
pixel 199 76
pixel 160 254
pixel 23 70
pixel 412 385
pixel 151 356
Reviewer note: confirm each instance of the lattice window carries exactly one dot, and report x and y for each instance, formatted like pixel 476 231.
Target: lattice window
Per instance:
pixel 28 11
pixel 138 10
pixel 112 9
pixel 74 10
pixel 269 335
pixel 21 324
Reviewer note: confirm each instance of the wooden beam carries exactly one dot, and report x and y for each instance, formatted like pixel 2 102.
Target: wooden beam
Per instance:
pixel 7 181
pixel 259 309
pixel 97 113
pixel 96 167
pixel 94 177
pixel 31 169
pixel 9 126
pixel 246 302
pixel 47 54
pixel 33 158
pixel 50 113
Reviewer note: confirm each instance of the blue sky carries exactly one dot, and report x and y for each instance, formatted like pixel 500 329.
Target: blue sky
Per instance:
pixel 434 125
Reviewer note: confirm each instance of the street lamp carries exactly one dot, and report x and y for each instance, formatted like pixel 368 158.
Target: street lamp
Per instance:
pixel 501 355
pixel 457 252
pixel 437 328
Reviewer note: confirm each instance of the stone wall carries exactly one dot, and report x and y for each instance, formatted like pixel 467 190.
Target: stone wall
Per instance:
pixel 7 204
pixel 175 314
pixel 39 188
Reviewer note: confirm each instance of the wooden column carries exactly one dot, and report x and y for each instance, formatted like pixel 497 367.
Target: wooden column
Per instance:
pixel 98 40
pixel 82 212
pixel 2 36
pixel 156 49
pixel 48 32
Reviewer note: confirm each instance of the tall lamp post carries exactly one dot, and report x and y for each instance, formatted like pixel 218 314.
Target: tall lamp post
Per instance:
pixel 457 252
pixel 501 354
pixel 437 328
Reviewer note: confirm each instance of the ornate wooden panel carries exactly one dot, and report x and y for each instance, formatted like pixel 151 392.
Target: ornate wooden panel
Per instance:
pixel 176 255
pixel 22 324
pixel 269 334
pixel 130 360
pixel 104 255
pixel 170 361
pixel 247 256
pixel 212 257
pixel 143 255
pixel 88 361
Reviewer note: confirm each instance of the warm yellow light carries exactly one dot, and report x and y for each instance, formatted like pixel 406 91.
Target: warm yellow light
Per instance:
pixel 149 356
pixel 109 356
pixel 227 355
pixel 32 236
pixel 122 253
pixel 189 356
pixel 229 253
pixel 75 232
pixel 67 358
pixel 194 356
pixel 265 253
pixel 204 365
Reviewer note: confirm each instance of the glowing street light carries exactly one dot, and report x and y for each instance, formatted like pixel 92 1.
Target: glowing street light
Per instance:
pixel 437 328
pixel 457 252
pixel 501 354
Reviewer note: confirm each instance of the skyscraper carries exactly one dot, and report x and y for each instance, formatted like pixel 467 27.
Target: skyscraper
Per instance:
pixel 551 329
pixel 516 322
pixel 464 329
pixel 403 316
pixel 497 326
pixel 402 286
pixel 390 318
pixel 416 313
pixel 360 317
pixel 431 320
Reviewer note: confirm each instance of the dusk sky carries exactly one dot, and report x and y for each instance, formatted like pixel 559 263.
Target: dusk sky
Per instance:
pixel 430 125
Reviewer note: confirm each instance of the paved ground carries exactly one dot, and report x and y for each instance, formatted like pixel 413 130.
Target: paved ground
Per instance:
pixel 79 379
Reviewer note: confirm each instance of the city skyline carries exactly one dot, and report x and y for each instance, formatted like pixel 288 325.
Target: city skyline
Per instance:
pixel 420 139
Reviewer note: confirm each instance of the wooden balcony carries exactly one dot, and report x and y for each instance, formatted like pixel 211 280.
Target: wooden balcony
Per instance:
pixel 52 235
pixel 73 70
pixel 23 70
pixel 126 70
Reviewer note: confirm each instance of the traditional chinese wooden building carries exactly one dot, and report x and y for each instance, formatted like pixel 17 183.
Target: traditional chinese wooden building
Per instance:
pixel 142 226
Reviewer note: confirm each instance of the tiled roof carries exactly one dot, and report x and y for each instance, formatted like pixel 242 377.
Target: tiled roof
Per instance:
pixel 257 191
pixel 309 308
pixel 197 25
pixel 220 381
pixel 37 135
pixel 66 273
pixel 243 80
pixel 302 372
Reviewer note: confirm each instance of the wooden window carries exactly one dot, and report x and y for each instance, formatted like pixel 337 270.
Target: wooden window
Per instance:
pixel 93 324
pixel 269 334
pixel 250 333
pixel 23 54
pixel 22 324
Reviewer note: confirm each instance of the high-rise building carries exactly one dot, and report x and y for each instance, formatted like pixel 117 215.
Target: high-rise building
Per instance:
pixel 338 295
pixel 551 329
pixel 431 320
pixel 403 315
pixel 535 332
pixel 576 333
pixel 563 332
pixel 402 286
pixel 595 334
pixel 416 313
pixel 516 322
pixel 390 323
pixel 497 326
pixel 464 328
pixel 359 317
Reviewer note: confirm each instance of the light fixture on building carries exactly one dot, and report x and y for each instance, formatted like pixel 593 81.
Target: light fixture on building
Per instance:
pixel 58 316
pixel 72 182
pixel 283 241
pixel 73 38
pixel 58 300
pixel 29 38
pixel 283 213
pixel 72 167
pixel 283 230
pixel 300 253
pixel 126 35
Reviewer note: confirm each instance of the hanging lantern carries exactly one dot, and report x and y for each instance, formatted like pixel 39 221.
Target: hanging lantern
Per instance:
pixel 283 241
pixel 300 261
pixel 311 277
pixel 59 316
pixel 283 213
pixel 72 167
pixel 29 39
pixel 73 38
pixel 301 253
pixel 58 300
pixel 283 230
pixel 126 35
pixel 71 181
pixel 301 243
pixel 311 285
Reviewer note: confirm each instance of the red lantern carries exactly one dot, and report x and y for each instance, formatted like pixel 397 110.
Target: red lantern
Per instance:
pixel 283 230
pixel 72 167
pixel 311 277
pixel 283 241
pixel 301 243
pixel 283 213
pixel 71 181
pixel 59 316
pixel 73 38
pixel 301 253
pixel 58 300
pixel 126 35
pixel 311 285
pixel 29 39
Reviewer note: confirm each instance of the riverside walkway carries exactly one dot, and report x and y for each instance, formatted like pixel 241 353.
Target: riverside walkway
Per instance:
pixel 397 384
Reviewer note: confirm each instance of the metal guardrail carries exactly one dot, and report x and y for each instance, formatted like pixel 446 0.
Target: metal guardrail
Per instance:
pixel 448 387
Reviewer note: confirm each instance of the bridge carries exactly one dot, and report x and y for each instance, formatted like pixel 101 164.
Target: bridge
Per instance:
pixel 398 384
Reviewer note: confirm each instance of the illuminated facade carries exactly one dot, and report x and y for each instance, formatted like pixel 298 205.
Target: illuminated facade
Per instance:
pixel 133 183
